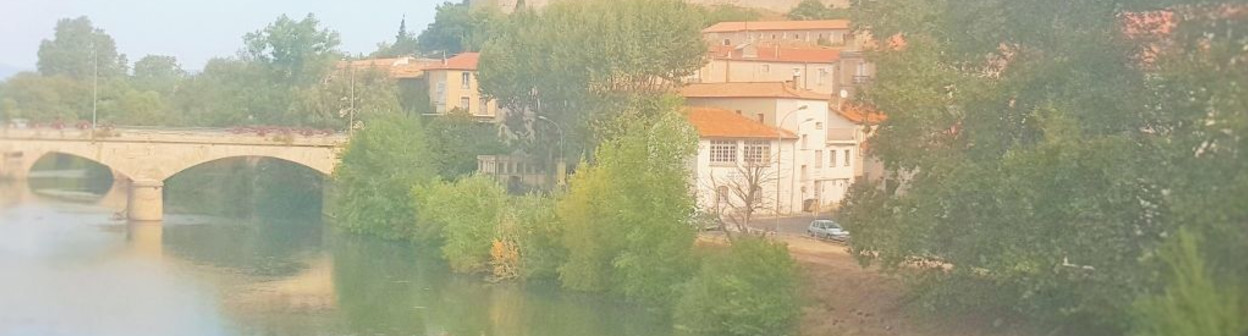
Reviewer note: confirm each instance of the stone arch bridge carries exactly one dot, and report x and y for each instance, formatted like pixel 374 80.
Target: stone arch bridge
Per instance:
pixel 149 156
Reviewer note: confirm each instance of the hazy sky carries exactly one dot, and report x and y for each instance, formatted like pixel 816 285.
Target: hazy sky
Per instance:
pixel 195 31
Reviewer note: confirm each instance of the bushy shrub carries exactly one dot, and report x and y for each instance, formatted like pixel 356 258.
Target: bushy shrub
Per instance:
pixel 750 289
pixel 382 163
pixel 467 213
pixel 1194 301
pixel 626 217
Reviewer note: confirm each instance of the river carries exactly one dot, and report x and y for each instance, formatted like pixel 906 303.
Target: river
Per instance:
pixel 67 267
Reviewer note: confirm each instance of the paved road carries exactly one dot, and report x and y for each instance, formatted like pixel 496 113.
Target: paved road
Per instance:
pixel 795 225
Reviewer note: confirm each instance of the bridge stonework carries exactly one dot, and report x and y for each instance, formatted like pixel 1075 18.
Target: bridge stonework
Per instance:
pixel 147 157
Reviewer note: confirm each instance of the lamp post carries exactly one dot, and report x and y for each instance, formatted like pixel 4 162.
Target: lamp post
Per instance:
pixel 558 166
pixel 779 124
pixel 351 118
pixel 95 83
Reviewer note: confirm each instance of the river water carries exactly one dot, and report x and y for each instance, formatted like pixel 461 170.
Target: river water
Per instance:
pixel 67 267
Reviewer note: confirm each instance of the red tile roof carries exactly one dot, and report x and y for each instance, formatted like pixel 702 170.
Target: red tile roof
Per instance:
pixel 720 123
pixel 729 27
pixel 464 61
pixel 748 90
pixel 861 114
pixel 402 67
pixel 779 54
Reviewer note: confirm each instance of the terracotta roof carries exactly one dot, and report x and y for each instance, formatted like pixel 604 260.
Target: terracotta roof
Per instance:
pixel 728 27
pixel 778 54
pixel 720 123
pixel 861 114
pixel 402 67
pixel 464 61
pixel 748 90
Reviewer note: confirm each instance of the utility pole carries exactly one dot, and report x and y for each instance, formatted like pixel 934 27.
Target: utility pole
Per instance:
pixel 95 83
pixel 351 120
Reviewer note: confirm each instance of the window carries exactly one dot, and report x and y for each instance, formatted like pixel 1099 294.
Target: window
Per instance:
pixel 862 69
pixel 804 141
pixel 485 106
pixel 465 103
pixel 797 36
pixel 465 79
pixel 818 159
pixel 818 125
pixel 721 194
pixel 738 112
pixel 832 158
pixel 757 151
pixel 439 97
pixel 760 118
pixel 766 68
pixel 773 36
pixel 847 157
pixel 804 177
pixel 822 73
pixel 723 151
pixel 727 42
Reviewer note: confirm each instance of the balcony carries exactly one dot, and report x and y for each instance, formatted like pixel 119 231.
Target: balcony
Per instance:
pixel 859 80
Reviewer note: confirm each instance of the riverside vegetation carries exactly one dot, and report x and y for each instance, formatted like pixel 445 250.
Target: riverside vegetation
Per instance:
pixel 624 224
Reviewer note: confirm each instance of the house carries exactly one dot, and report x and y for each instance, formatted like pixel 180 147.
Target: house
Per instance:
pixel 819 69
pixel 822 32
pixel 826 151
pixel 449 83
pixel 453 85
pixel 741 163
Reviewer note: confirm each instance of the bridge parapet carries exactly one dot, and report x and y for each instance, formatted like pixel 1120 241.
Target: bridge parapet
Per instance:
pixel 178 136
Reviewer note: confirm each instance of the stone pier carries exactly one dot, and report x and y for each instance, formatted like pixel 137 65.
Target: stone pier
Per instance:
pixel 146 201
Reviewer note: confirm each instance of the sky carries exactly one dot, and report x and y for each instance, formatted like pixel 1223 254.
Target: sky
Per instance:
pixel 196 31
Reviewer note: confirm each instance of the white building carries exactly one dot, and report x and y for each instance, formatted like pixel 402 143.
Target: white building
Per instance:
pixel 815 170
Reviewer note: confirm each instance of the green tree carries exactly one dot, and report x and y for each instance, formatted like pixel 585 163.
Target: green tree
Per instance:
pixel 626 217
pixel 329 104
pixel 1194 301
pixel 78 50
pixel 42 99
pixel 295 52
pixel 572 62
pixel 467 212
pixel 809 10
pixel 724 13
pixel 750 289
pixel 229 92
pixel 160 74
pixel 404 44
pixel 1038 166
pixel 381 166
pixel 457 138
pixel 458 28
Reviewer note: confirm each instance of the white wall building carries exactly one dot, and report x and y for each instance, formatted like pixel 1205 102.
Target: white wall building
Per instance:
pixel 818 167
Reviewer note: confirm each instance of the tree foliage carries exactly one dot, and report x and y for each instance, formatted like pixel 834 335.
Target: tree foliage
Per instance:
pixel 809 10
pixel 457 138
pixel 571 62
pixel 381 166
pixel 1037 167
pixel 295 52
pixel 625 218
pixel 79 50
pixel 468 213
pixel 750 289
pixel 458 27
pixel 160 74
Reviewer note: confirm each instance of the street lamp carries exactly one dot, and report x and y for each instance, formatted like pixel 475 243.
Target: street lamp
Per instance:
pixel 558 167
pixel 779 124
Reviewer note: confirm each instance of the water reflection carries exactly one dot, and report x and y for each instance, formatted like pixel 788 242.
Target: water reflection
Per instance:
pixel 70 270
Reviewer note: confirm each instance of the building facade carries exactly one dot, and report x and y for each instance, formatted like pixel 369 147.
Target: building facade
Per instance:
pixel 835 33
pixel 453 85
pixel 825 154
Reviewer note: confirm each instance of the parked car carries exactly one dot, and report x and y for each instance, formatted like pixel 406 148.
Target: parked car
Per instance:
pixel 827 229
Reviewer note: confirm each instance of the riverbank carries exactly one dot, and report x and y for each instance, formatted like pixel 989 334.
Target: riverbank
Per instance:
pixel 844 299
